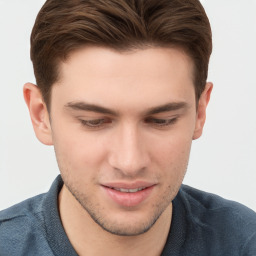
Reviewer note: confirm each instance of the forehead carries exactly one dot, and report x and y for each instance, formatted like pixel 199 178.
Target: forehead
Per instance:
pixel 102 75
pixel 92 59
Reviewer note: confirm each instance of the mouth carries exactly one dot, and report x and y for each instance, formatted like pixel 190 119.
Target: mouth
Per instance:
pixel 126 195
pixel 127 190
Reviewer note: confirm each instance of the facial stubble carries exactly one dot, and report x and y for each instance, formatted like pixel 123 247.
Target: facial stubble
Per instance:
pixel 98 215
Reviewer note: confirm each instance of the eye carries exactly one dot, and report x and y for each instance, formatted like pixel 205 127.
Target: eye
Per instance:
pixel 95 123
pixel 161 122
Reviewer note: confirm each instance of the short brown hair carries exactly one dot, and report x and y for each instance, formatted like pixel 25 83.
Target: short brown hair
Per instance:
pixel 65 25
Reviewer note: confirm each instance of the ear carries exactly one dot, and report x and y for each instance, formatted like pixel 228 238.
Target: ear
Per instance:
pixel 38 113
pixel 201 110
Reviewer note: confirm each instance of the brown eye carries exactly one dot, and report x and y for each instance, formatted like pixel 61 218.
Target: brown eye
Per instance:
pixel 95 123
pixel 160 122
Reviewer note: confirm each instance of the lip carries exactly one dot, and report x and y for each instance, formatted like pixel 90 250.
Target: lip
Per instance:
pixel 131 185
pixel 128 199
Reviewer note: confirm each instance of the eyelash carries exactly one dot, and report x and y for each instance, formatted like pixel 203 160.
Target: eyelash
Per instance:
pixel 95 123
pixel 161 122
pixel 102 122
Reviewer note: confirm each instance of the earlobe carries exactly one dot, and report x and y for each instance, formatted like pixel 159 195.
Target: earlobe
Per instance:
pixel 201 110
pixel 38 113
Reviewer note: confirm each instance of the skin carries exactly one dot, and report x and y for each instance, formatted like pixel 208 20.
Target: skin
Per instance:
pixel 140 131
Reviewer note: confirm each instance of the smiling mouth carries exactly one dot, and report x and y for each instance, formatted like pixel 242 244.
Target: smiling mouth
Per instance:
pixel 128 197
pixel 126 190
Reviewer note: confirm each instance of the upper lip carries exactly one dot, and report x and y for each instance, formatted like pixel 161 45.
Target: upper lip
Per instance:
pixel 129 185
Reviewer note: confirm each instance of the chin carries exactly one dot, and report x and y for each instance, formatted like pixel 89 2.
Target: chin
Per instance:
pixel 126 228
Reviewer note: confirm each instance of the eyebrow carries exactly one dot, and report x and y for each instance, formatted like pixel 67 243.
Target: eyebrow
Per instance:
pixel 90 107
pixel 167 107
pixel 99 109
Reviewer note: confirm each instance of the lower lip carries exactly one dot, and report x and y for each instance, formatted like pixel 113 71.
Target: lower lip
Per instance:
pixel 128 199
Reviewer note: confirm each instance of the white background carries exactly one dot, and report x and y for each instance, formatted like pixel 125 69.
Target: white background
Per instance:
pixel 223 161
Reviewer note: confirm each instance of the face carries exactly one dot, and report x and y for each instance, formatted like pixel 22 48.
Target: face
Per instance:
pixel 122 126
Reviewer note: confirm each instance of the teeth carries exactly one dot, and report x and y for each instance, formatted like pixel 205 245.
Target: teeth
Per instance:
pixel 126 190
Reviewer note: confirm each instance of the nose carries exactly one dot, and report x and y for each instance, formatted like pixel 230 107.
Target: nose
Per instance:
pixel 129 153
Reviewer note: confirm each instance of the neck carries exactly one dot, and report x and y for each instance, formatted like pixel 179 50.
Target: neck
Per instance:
pixel 88 238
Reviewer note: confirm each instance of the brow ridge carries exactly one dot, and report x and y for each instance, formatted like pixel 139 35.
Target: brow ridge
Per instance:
pixel 103 110
pixel 167 107
pixel 89 107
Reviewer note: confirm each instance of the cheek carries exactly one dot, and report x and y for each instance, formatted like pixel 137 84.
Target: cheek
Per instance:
pixel 173 146
pixel 172 155
pixel 76 152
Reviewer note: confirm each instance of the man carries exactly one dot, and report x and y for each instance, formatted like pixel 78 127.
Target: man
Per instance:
pixel 121 93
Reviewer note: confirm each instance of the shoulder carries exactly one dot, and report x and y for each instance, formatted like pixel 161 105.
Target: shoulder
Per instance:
pixel 199 202
pixel 21 226
pixel 24 208
pixel 223 223
pixel 28 211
